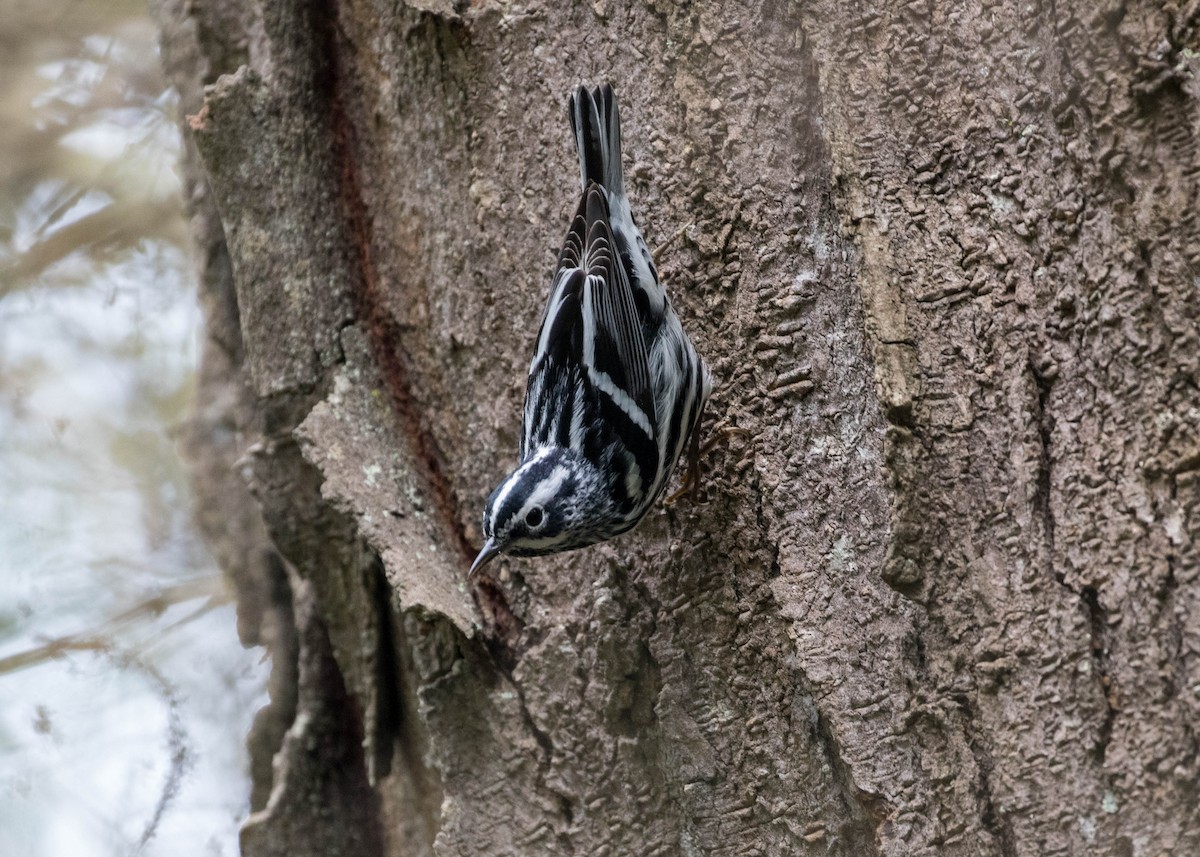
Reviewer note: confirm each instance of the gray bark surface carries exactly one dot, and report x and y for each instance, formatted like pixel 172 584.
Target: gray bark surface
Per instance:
pixel 943 260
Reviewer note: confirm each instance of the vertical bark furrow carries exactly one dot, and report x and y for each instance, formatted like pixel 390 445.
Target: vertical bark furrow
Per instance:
pixel 321 802
pixel 388 346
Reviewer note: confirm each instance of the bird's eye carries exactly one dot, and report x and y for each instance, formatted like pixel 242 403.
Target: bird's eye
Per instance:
pixel 535 517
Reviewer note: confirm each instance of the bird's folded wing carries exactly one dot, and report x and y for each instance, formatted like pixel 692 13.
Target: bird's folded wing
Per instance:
pixel 591 317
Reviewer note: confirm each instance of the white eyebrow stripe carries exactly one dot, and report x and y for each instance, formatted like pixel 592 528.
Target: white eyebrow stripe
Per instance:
pixel 546 491
pixel 513 480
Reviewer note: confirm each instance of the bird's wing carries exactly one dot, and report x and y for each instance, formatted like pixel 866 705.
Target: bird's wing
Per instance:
pixel 591 333
pixel 596 127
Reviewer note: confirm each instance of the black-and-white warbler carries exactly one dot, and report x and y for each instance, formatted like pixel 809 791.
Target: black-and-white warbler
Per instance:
pixel 615 387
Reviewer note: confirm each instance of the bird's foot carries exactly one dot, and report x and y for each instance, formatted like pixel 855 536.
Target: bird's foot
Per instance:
pixel 692 476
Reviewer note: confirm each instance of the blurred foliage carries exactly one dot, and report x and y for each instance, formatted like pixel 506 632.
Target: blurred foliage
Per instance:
pixel 71 174
pixel 126 693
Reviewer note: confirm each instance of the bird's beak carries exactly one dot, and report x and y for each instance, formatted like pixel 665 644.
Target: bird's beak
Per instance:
pixel 490 549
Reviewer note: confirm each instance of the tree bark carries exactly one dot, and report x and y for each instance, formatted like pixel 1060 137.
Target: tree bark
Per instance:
pixel 943 260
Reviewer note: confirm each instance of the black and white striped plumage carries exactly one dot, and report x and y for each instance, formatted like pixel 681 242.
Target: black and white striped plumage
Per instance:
pixel 615 386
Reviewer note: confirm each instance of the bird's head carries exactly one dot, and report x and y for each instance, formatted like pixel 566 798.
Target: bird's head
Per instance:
pixel 550 503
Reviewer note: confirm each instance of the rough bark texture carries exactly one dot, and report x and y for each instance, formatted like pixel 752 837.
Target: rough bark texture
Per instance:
pixel 944 261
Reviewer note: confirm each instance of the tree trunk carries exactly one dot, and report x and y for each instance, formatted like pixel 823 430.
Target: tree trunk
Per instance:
pixel 943 260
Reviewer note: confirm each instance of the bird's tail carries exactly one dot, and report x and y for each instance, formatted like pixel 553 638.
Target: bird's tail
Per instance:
pixel 596 123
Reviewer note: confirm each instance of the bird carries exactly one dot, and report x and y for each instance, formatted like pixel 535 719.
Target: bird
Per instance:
pixel 615 387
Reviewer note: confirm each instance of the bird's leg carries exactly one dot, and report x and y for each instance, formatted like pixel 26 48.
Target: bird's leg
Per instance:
pixel 690 486
pixel 722 433
pixel 691 476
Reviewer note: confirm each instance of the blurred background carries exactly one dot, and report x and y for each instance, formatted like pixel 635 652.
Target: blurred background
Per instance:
pixel 124 694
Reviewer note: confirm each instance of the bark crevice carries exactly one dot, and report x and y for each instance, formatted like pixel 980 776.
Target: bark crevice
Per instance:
pixel 1099 646
pixel 994 820
pixel 384 332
